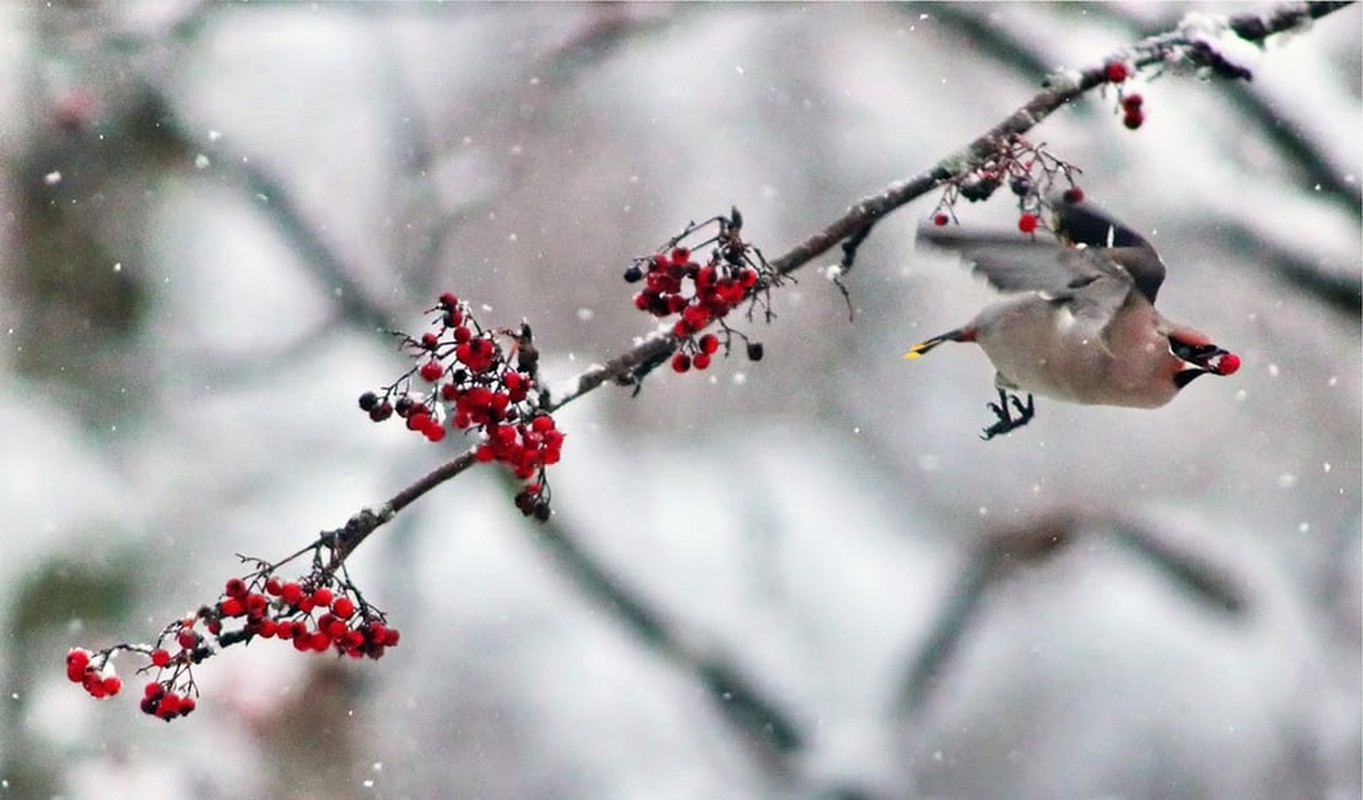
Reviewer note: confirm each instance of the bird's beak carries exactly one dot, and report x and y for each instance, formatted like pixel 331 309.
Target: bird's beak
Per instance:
pixel 1205 358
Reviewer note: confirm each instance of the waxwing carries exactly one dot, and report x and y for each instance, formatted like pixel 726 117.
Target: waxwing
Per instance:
pixel 1081 323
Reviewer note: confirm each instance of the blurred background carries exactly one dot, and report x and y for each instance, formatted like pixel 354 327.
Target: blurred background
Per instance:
pixel 804 577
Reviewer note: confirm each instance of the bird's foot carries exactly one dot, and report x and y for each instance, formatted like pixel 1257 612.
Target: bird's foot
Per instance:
pixel 1007 422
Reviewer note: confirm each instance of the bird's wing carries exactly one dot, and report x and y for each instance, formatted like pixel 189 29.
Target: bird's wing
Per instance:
pixel 1101 248
pixel 1083 224
pixel 1011 263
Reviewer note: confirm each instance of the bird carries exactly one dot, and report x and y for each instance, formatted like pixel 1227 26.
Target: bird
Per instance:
pixel 1080 323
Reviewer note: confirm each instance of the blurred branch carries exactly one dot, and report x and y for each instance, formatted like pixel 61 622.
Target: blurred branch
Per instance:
pixel 1340 288
pixel 1001 552
pixel 759 719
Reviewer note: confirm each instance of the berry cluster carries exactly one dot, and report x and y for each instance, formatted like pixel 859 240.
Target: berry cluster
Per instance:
pixel 1031 172
pixel 463 379
pixel 100 681
pixel 701 292
pixel 320 613
pixel 1117 73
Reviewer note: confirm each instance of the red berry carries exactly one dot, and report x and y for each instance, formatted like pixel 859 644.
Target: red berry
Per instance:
pixel 187 638
pixel 236 587
pixel 343 607
pixel 160 657
pixel 448 301
pixel 232 607
pixel 78 658
pixel 429 340
pixel 323 596
pixel 153 689
pixel 92 684
pixel 268 628
pixel 187 705
pixel 273 586
pixel 701 361
pixel 432 370
pixel 681 362
pixel 1133 119
pixel 708 343
pixel 291 593
pixel 1132 102
pixel 680 255
pixel 1027 223
pixel 112 685
pixel 1115 72
pixel 1073 195
pixel 434 431
pixel 940 219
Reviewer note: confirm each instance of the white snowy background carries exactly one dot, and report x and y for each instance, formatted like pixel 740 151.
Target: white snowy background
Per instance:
pixel 193 268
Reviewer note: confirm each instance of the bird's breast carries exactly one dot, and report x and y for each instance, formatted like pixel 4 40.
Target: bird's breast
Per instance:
pixel 1043 347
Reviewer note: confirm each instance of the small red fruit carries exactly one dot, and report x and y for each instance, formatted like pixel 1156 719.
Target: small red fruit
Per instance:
pixel 291 593
pixel 1027 223
pixel 1133 119
pixel 940 219
pixel 1116 72
pixel 432 371
pixel 681 362
pixel 160 658
pixel 1073 195
pixel 343 607
pixel 1227 364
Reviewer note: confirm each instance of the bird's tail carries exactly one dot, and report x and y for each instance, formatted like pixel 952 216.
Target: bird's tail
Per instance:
pixel 958 335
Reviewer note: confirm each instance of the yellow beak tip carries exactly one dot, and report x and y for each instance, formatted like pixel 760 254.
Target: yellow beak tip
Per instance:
pixel 913 354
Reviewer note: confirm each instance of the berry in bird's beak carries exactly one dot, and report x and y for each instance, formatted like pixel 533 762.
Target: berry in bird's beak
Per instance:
pixel 1205 357
pixel 1224 363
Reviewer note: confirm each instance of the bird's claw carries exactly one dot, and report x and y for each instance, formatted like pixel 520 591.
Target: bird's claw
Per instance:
pixel 1007 422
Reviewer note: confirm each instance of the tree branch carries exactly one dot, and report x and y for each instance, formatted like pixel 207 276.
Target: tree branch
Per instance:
pixel 1058 89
